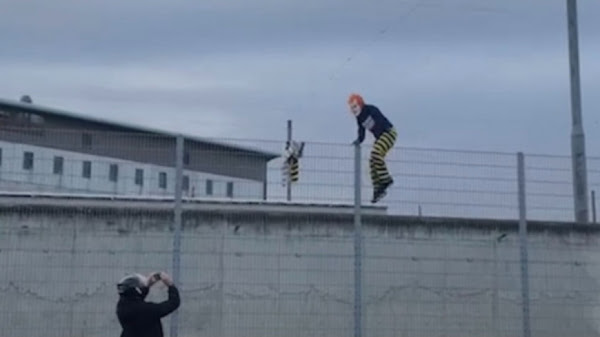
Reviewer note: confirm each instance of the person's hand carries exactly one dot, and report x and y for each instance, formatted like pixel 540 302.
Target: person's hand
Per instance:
pixel 166 279
pixel 153 278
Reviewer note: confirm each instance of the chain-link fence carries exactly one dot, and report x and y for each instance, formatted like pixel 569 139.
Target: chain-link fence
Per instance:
pixel 441 255
pixel 428 182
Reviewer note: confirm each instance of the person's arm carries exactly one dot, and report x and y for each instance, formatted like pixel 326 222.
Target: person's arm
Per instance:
pixel 164 308
pixel 361 133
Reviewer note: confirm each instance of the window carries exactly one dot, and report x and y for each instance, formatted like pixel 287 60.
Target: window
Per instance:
pixel 58 165
pixel 162 180
pixel 230 189
pixel 186 158
pixel 28 160
pixel 186 183
pixel 86 171
pixel 139 177
pixel 86 141
pixel 113 172
pixel 209 187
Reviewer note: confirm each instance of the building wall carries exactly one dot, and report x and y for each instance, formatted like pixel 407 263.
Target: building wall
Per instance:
pixel 42 177
pixel 119 142
pixel 252 273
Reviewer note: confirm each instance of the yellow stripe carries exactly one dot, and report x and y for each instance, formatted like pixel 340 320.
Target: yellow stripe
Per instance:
pixel 387 143
pixel 382 140
pixel 379 150
pixel 383 143
pixel 391 136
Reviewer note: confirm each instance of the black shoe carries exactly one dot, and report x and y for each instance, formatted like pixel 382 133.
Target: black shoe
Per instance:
pixel 378 193
pixel 387 184
pixel 381 191
pixel 378 196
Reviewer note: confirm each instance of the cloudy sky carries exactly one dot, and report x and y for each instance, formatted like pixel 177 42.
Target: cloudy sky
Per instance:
pixel 462 74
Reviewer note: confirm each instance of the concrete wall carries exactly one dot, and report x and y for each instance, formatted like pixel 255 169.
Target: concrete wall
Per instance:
pixel 289 272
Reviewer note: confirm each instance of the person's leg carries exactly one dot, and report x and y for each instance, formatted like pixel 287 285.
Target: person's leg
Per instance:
pixel 375 180
pixel 378 166
pixel 294 169
pixel 373 164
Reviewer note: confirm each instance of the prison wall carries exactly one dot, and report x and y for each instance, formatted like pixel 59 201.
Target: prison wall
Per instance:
pixel 289 271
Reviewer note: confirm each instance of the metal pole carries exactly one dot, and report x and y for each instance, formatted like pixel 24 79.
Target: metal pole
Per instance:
pixel 495 284
pixel 594 206
pixel 496 239
pixel 578 158
pixel 179 148
pixel 357 244
pixel 289 143
pixel 523 245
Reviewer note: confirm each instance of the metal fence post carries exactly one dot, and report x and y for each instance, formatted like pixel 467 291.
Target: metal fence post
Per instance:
pixel 495 284
pixel 594 206
pixel 357 244
pixel 179 149
pixel 523 244
pixel 288 176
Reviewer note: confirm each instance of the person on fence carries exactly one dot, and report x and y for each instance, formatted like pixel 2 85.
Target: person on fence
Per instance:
pixel 370 117
pixel 137 317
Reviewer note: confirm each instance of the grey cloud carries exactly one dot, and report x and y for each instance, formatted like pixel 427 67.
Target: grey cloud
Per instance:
pixel 108 30
pixel 461 74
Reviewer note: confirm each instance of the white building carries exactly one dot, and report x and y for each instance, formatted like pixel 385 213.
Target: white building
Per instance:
pixel 44 149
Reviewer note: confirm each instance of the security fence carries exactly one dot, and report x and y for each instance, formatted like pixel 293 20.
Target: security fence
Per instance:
pixel 465 243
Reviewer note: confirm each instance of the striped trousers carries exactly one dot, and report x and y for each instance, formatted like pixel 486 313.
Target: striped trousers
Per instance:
pixel 379 171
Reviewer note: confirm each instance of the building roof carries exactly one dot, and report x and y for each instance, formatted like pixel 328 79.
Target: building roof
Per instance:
pixel 43 110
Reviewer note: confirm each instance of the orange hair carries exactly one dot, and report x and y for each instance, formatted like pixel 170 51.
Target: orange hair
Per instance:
pixel 356 98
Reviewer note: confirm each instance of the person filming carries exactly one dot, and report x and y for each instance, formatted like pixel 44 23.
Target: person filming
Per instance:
pixel 137 317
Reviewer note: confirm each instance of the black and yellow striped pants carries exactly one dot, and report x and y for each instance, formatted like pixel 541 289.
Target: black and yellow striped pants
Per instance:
pixel 383 144
pixel 293 168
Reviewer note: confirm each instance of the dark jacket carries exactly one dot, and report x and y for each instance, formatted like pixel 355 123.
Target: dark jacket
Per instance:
pixel 142 319
pixel 371 118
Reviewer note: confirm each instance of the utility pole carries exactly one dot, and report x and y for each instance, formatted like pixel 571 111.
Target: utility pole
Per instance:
pixel 578 158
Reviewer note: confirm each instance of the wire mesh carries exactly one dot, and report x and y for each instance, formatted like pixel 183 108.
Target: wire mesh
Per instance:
pixel 444 278
pixel 240 275
pixel 72 225
pixel 263 273
pixel 428 182
pixel 464 184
